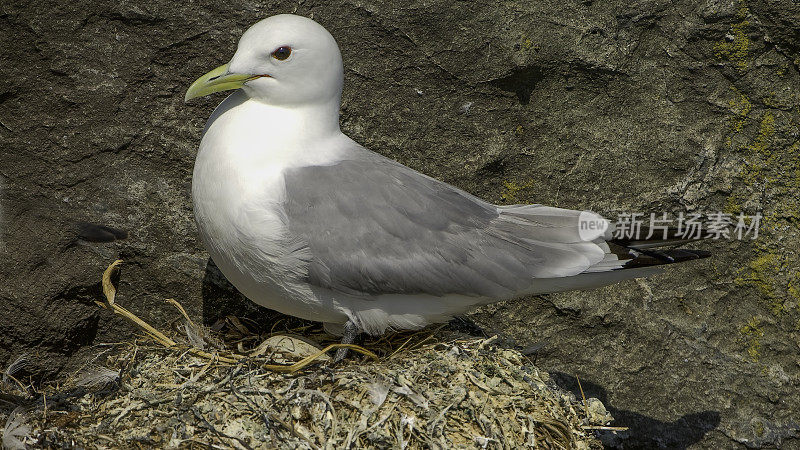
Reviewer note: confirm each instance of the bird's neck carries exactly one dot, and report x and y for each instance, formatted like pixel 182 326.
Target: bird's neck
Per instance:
pixel 312 121
pixel 277 122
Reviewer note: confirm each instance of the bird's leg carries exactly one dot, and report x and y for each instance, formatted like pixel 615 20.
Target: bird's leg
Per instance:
pixel 351 332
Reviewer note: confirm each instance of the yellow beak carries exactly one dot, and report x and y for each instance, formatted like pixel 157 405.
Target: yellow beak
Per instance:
pixel 216 81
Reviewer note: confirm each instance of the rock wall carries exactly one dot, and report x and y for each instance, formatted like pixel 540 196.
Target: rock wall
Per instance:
pixel 611 106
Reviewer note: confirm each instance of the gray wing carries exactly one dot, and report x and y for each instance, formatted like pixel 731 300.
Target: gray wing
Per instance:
pixel 374 226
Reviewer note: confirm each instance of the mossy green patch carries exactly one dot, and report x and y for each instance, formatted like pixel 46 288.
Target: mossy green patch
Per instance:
pixel 741 107
pixel 760 156
pixel 736 48
pixel 762 273
pixel 511 189
pixel 528 45
pixel 733 205
pixel 766 131
pixel 767 181
pixel 758 428
pixel 794 288
pixel 752 334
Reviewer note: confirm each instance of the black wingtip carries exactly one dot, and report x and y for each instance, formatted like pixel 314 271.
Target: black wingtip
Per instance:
pixel 648 258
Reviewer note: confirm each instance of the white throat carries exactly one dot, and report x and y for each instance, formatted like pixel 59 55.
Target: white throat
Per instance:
pixel 281 123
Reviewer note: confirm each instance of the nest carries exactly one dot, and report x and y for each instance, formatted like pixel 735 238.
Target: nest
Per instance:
pixel 229 388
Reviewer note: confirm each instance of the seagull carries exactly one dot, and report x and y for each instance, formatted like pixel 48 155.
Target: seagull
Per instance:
pixel 304 220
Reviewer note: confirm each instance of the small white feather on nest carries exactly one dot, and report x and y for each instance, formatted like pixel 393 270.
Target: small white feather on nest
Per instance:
pixel 16 432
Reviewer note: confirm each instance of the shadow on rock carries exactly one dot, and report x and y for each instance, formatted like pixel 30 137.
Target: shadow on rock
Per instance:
pixel 222 299
pixel 644 431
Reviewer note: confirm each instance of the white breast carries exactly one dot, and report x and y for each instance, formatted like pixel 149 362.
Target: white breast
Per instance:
pixel 238 192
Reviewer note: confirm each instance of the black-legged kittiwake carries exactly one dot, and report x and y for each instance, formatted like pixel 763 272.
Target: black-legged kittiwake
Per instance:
pixel 305 221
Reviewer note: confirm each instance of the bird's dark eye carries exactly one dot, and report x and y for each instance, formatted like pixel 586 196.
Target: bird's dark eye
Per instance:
pixel 282 53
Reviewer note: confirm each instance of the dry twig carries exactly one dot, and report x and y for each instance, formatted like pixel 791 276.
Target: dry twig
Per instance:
pixel 110 292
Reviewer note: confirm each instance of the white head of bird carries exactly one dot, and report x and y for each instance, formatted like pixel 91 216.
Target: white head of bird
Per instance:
pixel 283 60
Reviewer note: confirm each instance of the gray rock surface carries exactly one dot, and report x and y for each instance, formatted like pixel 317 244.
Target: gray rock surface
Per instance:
pixel 613 106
